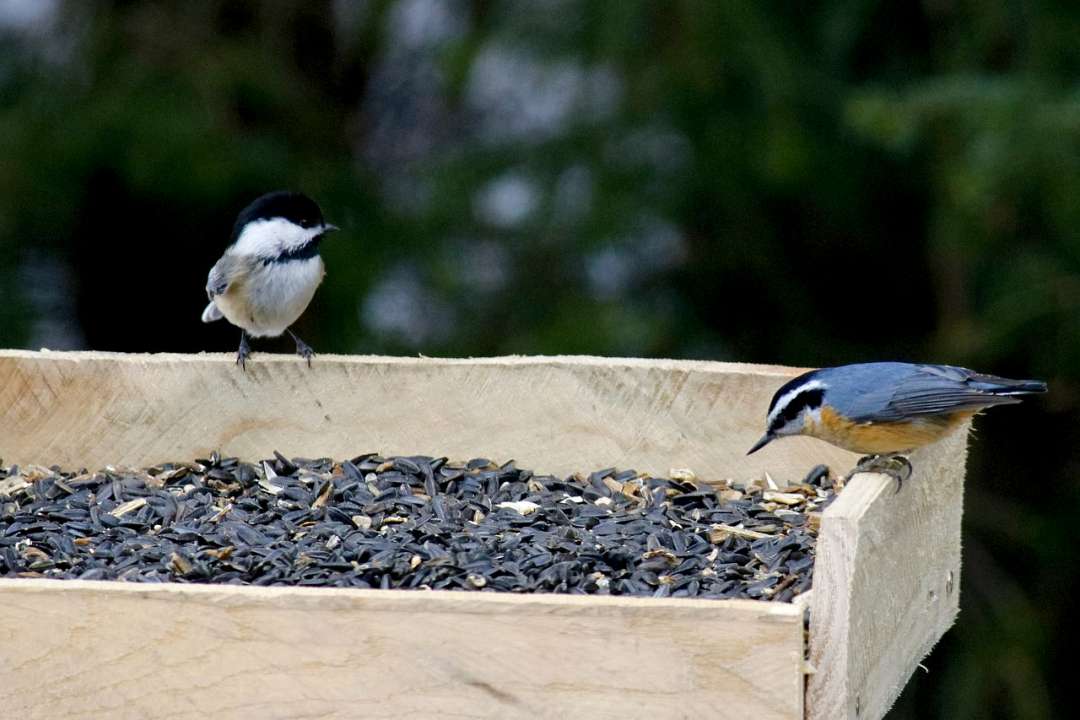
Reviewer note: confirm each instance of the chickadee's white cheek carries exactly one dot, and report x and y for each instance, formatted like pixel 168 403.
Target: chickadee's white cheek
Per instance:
pixel 269 238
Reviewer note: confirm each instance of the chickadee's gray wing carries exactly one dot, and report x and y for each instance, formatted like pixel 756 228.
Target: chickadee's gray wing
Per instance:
pixel 222 275
pixel 211 313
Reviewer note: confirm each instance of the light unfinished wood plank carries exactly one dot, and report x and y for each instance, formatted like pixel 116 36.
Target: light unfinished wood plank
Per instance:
pixel 552 414
pixel 76 649
pixel 886 583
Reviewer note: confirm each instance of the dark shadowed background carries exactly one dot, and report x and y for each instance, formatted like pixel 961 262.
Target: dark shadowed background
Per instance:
pixel 770 181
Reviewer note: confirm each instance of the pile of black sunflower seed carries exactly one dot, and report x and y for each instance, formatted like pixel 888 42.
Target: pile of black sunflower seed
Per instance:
pixel 412 522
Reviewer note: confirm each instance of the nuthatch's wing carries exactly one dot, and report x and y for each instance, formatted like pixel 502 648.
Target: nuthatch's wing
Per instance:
pixel 938 390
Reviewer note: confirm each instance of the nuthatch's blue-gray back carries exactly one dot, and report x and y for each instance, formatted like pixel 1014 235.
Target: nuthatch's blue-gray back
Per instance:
pixel 885 408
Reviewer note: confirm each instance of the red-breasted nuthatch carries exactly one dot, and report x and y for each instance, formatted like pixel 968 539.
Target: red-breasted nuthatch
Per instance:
pixel 885 409
pixel 270 272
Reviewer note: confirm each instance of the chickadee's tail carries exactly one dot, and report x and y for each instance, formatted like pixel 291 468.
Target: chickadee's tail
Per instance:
pixel 211 313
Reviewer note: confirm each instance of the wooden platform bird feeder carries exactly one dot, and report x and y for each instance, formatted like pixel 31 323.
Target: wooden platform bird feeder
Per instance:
pixel 885 589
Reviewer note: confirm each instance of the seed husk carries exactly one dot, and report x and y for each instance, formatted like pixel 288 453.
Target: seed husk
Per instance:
pixel 783 498
pixel 522 507
pixel 129 506
pixel 721 532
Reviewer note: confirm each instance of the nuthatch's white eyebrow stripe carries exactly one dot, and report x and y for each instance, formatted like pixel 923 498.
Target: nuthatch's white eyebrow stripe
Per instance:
pixel 784 400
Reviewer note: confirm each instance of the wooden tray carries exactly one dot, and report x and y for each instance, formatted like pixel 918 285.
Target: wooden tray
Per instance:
pixel 886 578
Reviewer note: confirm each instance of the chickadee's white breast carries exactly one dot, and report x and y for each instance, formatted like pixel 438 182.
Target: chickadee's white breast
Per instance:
pixel 273 295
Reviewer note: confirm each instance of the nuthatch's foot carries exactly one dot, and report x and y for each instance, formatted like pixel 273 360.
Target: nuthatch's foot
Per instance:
pixel 897 467
pixel 302 348
pixel 244 351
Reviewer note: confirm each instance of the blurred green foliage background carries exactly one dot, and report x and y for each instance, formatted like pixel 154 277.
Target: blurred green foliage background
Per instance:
pixel 770 181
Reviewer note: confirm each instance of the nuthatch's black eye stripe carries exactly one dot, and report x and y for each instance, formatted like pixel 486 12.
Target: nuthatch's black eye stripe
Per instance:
pixel 807 399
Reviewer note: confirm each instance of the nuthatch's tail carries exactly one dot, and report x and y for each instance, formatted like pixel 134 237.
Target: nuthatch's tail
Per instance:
pixel 1004 386
pixel 211 313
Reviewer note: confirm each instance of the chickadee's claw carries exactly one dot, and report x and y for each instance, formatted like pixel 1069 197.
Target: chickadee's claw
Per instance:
pixel 897 467
pixel 244 351
pixel 302 348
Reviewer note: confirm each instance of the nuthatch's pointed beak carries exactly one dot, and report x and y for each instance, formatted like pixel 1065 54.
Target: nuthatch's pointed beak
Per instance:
pixel 765 440
pixel 327 227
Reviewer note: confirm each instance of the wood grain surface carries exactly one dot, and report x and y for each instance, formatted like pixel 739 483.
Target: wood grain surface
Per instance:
pixel 552 414
pixel 886 583
pixel 78 649
pixel 886 579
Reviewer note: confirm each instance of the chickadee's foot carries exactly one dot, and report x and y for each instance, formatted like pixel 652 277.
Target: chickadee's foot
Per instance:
pixel 302 348
pixel 244 351
pixel 897 467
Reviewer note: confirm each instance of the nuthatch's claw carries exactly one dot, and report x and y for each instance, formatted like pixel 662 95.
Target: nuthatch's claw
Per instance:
pixel 897 467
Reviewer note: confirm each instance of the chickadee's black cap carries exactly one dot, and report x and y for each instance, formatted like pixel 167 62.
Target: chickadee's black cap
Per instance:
pixel 292 206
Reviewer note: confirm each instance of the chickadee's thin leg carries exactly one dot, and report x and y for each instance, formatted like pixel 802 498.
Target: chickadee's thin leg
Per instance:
pixel 302 348
pixel 244 352
pixel 897 467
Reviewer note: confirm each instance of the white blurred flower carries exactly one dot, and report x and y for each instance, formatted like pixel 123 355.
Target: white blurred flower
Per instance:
pixel 652 246
pixel 422 24
pixel 518 96
pixel 507 201
pixel 402 307
pixel 27 15
pixel 609 272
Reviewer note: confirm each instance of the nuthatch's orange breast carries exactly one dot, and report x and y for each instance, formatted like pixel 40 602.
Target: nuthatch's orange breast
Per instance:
pixel 870 438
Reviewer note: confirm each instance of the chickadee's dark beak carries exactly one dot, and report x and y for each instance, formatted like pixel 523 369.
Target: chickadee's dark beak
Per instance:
pixel 765 440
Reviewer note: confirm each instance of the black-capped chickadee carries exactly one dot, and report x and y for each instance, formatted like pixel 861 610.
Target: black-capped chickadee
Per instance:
pixel 269 273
